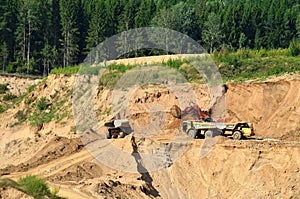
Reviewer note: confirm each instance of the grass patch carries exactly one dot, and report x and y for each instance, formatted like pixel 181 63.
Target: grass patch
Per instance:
pixel 248 64
pixel 69 70
pixel 46 112
pixel 32 186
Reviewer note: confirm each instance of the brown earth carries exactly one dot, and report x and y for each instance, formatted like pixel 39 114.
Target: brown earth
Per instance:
pixel 13 194
pixel 273 107
pixel 266 166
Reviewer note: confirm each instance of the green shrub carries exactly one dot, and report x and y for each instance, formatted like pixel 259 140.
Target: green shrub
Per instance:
pixel 3 88
pixel 262 52
pixel 30 88
pixel 294 49
pixel 31 186
pixel 39 117
pixel 42 104
pixel 11 67
pixel 45 113
pixel 2 109
pixel 120 67
pixel 34 186
pixel 175 63
pixel 9 96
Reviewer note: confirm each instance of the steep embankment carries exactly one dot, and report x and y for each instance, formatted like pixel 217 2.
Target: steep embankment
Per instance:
pixel 273 107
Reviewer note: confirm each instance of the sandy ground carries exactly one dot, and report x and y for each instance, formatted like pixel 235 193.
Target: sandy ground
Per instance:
pixel 265 166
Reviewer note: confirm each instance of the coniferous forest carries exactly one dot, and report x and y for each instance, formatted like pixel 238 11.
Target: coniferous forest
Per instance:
pixel 39 35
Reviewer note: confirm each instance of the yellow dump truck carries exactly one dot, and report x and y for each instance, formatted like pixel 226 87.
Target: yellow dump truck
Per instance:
pixel 198 129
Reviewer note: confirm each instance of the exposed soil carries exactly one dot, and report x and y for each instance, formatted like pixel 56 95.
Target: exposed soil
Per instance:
pixel 264 166
pixel 56 148
pixel 273 107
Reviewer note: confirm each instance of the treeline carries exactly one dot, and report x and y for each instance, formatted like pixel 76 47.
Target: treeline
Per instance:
pixel 39 35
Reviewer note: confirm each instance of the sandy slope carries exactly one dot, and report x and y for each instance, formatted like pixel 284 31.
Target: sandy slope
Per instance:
pixel 252 168
pixel 273 107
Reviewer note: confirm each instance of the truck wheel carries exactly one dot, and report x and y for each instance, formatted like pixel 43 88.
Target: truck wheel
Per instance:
pixel 237 135
pixel 108 134
pixel 209 134
pixel 192 133
pixel 121 134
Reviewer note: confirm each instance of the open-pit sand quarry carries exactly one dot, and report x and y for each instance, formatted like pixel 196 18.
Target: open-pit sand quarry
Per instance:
pixel 264 166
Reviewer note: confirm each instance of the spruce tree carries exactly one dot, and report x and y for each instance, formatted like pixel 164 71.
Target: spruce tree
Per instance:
pixel 98 25
pixel 69 21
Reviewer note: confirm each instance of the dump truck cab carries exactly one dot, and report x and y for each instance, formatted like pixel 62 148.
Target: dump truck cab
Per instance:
pixel 238 130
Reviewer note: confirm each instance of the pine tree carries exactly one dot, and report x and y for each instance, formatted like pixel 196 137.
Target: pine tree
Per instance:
pixel 98 26
pixel 8 25
pixel 69 21
pixel 28 23
pixel 185 19
pixel 114 10
pixel 55 25
pixel 126 18
pixel 247 27
pixel 143 15
pixel 4 55
pixel 298 26
pixel 289 29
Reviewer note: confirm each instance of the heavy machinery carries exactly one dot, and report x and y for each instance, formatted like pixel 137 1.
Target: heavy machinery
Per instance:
pixel 199 128
pixel 117 128
pixel 197 123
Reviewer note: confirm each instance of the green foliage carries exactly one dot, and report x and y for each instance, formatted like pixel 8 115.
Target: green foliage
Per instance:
pixel 69 12
pixel 97 27
pixel 2 109
pixel 30 88
pixel 73 129
pixel 38 118
pixel 174 63
pixel 34 186
pixel 42 104
pixel 3 88
pixel 31 185
pixel 113 73
pixel 89 70
pixel 212 32
pixel 294 48
pixel 189 72
pixel 9 97
pixel 109 79
pixel 122 68
pixel 69 70
pixel 46 112
pixel 251 64
pixel 37 36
